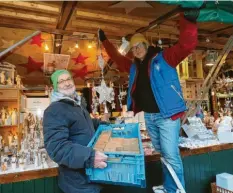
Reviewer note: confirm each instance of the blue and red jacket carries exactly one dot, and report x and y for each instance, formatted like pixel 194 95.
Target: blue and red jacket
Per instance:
pixel 162 71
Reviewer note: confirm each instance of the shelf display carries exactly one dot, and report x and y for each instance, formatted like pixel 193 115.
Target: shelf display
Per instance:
pixel 8 116
pixel 7 74
pixel 31 155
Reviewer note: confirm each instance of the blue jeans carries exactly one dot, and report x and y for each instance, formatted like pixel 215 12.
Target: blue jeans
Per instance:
pixel 164 134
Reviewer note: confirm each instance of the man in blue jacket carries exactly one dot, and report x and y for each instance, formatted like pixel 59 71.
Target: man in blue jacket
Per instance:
pixel 154 88
pixel 68 129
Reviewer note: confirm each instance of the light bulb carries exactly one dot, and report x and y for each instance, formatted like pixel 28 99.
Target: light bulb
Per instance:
pixel 76 45
pixel 46 47
pixel 89 46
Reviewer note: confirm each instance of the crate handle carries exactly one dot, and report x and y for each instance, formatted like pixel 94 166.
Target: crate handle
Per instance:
pixel 114 159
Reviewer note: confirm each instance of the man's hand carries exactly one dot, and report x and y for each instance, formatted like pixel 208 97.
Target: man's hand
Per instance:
pixel 101 34
pixel 100 160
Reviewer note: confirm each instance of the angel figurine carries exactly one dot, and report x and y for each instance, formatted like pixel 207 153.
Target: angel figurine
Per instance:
pixel 2 77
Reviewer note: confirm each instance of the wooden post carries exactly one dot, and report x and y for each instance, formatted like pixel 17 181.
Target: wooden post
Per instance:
pixel 199 66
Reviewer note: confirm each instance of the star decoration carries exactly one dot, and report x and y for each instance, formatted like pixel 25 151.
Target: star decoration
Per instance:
pixel 81 73
pixel 113 105
pixel 71 50
pixel 32 65
pixel 80 59
pixel 37 40
pixel 104 92
pixel 129 6
pixel 7 44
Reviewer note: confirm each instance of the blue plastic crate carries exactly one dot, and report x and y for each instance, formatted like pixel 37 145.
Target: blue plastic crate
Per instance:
pixel 123 168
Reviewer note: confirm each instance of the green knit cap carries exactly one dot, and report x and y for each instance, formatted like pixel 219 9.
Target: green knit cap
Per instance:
pixel 55 76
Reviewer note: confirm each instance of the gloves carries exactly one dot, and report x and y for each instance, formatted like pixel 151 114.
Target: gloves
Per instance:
pixel 191 14
pixel 102 36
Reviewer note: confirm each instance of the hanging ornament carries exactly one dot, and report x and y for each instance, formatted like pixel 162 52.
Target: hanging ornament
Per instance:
pixel 104 92
pixel 101 62
pixel 32 65
pixel 121 95
pixel 113 105
pixel 80 59
pixel 37 40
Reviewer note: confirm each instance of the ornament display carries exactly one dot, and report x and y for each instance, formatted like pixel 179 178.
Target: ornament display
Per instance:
pixel 7 74
pixel 32 154
pixel 8 116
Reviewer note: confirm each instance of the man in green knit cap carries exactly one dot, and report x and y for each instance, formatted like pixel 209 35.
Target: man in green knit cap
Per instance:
pixel 68 129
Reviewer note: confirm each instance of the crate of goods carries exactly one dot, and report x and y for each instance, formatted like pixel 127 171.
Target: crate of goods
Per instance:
pixel 123 146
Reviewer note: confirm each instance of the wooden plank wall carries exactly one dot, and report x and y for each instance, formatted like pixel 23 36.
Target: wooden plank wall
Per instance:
pixel 200 171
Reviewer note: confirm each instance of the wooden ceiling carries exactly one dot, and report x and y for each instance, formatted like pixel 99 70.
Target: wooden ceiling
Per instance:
pixel 66 19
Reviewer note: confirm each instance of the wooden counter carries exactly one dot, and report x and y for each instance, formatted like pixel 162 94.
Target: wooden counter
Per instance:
pixel 43 173
pixel 190 152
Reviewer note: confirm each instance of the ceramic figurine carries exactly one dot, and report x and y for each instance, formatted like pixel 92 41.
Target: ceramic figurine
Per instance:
pixel 14 117
pixel 2 78
pixel 9 82
pixel 18 81
pixel 13 163
pixel 3 115
pixel 21 163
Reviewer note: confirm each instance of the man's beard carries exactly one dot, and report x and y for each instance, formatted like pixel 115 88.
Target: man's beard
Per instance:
pixel 67 91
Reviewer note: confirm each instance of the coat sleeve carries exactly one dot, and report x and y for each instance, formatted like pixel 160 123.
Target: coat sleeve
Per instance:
pixel 60 148
pixel 121 61
pixel 186 44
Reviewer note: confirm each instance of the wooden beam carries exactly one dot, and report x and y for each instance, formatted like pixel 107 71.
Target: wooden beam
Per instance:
pixel 215 32
pixel 68 8
pixel 105 27
pixel 21 24
pixel 26 15
pixel 159 20
pixel 111 17
pixel 34 6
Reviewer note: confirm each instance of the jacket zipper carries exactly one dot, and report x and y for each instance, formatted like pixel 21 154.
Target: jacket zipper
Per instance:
pixel 174 88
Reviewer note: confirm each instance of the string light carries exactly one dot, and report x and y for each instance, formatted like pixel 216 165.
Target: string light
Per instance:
pixel 89 46
pixel 46 47
pixel 76 45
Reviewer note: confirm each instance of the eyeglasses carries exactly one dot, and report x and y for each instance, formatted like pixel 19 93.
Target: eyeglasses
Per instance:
pixel 138 46
pixel 62 82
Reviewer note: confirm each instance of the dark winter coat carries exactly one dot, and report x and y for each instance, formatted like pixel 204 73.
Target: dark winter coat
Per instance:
pixel 68 129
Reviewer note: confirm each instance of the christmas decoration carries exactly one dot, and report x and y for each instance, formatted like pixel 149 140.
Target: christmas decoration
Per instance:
pixel 121 95
pixel 80 59
pixel 71 50
pixel 7 44
pixel 81 73
pixel 32 65
pixel 37 40
pixel 105 93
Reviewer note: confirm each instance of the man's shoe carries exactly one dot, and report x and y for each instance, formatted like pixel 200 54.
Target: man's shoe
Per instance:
pixel 159 189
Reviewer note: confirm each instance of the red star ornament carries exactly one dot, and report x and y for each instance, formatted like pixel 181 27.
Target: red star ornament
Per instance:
pixel 37 40
pixel 80 59
pixel 32 65
pixel 80 73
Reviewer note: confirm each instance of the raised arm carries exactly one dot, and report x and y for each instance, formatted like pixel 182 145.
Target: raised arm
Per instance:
pixel 186 44
pixel 122 62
